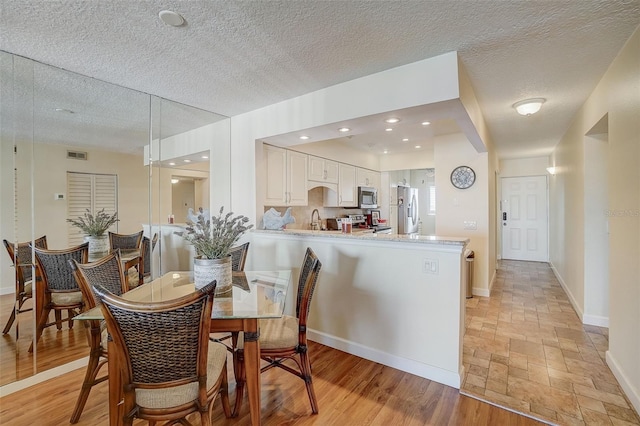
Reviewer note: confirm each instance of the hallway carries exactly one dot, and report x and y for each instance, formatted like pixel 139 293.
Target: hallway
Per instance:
pixel 525 349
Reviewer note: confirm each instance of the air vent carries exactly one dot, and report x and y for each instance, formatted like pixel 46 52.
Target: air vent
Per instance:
pixel 77 155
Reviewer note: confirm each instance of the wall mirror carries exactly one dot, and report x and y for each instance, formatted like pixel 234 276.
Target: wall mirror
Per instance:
pixel 55 124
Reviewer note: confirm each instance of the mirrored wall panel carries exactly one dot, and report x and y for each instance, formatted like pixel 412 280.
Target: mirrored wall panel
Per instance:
pixel 73 145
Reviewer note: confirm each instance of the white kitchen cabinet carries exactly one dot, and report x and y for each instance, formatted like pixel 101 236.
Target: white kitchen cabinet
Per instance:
pixel 347 189
pixel 322 170
pixel 286 174
pixel 367 177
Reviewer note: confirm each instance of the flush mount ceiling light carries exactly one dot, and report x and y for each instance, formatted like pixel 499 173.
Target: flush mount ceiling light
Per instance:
pixel 344 129
pixel 171 18
pixel 529 106
pixel 392 120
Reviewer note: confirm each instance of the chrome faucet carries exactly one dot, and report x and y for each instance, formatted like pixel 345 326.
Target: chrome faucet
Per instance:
pixel 315 225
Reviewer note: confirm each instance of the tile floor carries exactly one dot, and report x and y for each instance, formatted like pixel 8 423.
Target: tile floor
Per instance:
pixel 525 349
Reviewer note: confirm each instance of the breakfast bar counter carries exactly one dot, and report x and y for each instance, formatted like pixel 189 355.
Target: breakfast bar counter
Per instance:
pixel 394 299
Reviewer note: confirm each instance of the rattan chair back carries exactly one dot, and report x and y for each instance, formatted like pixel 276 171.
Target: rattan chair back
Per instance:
pixel 239 257
pixel 147 248
pixel 55 268
pixel 311 266
pixel 106 272
pixel 125 241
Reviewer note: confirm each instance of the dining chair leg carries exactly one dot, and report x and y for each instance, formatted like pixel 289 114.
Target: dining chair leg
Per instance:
pixel 240 375
pixel 306 373
pixel 93 367
pixel 40 327
pixel 10 321
pixel 224 394
pixel 58 315
pixel 71 314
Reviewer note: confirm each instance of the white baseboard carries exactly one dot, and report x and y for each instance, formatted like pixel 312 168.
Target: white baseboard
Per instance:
pixel 629 389
pixel 483 292
pixel 572 299
pixel 41 377
pixel 596 320
pixel 7 290
pixel 436 374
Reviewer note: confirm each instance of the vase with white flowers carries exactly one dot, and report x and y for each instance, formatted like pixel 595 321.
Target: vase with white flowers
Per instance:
pixel 213 239
pixel 94 228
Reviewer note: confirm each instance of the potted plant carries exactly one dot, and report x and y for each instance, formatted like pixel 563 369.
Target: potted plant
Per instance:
pixel 94 228
pixel 213 239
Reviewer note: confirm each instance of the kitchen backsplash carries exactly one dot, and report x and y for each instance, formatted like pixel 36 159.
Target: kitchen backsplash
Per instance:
pixel 302 214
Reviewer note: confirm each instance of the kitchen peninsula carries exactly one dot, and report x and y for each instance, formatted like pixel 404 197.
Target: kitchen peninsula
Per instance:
pixel 394 299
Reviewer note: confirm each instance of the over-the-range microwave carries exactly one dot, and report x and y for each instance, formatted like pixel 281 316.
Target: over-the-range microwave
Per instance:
pixel 367 197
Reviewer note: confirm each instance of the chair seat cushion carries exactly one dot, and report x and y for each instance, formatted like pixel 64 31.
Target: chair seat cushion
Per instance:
pixel 28 288
pixel 178 395
pixel 276 333
pixel 66 298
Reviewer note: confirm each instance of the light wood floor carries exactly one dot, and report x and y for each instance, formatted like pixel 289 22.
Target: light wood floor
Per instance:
pixel 350 390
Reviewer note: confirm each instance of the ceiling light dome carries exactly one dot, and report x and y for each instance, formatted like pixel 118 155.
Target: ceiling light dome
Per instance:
pixel 529 106
pixel 170 17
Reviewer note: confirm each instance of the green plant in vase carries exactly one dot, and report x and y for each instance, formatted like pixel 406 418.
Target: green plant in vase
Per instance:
pixel 94 227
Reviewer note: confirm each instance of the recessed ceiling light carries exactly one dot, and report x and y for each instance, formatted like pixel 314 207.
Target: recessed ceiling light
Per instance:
pixel 385 152
pixel 426 123
pixel 171 18
pixel 392 120
pixel 187 161
pixel 388 129
pixel 174 180
pixel 418 147
pixel 529 106
pixel 304 137
pixel 204 157
pixel 172 164
pixel 405 140
pixel 344 129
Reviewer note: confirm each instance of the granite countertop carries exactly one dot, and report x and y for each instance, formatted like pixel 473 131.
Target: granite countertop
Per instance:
pixel 359 235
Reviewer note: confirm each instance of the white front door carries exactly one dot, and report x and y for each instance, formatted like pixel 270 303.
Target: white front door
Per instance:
pixel 524 218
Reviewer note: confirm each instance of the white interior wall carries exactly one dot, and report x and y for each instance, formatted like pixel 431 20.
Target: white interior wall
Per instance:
pixel 596 238
pixel 455 206
pixel 518 167
pixel 616 95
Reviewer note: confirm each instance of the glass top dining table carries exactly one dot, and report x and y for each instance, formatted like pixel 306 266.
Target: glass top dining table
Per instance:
pixel 254 295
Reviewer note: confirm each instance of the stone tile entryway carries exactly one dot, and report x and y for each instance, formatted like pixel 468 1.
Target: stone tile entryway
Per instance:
pixel 525 349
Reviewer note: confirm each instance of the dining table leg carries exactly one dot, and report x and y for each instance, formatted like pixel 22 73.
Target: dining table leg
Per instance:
pixel 252 368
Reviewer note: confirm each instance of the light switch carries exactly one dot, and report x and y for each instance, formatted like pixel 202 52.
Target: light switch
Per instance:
pixel 430 266
pixel 470 224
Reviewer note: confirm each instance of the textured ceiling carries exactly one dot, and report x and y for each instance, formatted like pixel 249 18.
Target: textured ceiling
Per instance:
pixel 235 56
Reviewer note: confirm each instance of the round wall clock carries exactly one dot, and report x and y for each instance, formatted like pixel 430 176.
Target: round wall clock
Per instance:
pixel 463 177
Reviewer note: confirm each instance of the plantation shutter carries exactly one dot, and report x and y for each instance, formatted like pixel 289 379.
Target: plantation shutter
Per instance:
pixel 89 191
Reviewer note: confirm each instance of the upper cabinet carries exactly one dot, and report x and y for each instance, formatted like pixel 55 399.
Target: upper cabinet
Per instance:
pixel 367 177
pixel 347 189
pixel 322 170
pixel 286 173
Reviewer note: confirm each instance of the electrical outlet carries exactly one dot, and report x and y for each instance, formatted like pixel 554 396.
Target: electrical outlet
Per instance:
pixel 430 266
pixel 470 224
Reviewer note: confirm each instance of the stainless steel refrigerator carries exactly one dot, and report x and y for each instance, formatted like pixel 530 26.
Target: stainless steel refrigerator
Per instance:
pixel 407 210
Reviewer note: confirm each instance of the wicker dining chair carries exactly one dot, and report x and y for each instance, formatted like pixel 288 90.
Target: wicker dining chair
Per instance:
pixel 23 274
pixel 239 256
pixel 147 248
pixel 285 338
pixel 129 242
pixel 167 365
pixel 106 272
pixel 61 292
